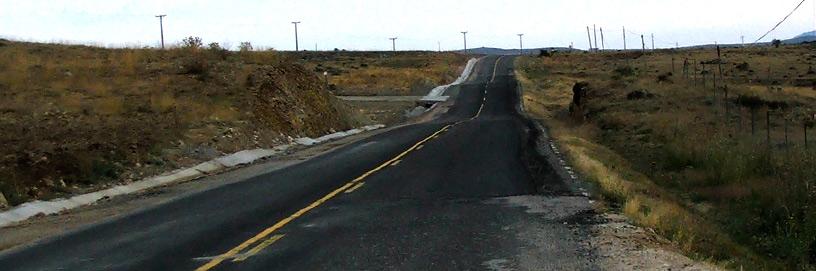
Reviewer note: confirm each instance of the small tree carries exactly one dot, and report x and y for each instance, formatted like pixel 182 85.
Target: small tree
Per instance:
pixel 245 46
pixel 217 50
pixel 215 47
pixel 776 43
pixel 192 42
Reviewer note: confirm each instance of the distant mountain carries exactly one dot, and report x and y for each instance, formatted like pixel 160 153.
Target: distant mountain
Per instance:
pixel 502 51
pixel 804 37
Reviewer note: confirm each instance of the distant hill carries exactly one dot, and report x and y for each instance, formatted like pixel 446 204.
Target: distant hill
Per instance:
pixel 804 37
pixel 501 51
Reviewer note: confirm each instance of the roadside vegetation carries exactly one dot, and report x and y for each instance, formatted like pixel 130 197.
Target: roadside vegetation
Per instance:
pixel 78 118
pixel 385 73
pixel 727 177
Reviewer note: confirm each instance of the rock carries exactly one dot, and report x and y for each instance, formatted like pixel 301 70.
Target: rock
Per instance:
pixel 3 202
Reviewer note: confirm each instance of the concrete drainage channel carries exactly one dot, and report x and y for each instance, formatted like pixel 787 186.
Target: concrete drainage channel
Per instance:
pixel 35 208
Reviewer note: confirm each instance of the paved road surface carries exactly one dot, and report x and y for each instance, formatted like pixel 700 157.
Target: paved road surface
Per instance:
pixel 428 196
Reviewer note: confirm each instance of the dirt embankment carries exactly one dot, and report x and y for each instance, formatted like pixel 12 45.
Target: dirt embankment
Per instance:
pixel 77 118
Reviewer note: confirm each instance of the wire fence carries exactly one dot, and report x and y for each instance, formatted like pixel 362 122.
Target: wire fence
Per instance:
pixel 774 124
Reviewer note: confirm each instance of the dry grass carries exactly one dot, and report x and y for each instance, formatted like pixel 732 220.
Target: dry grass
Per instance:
pixel 386 73
pixel 77 117
pixel 674 162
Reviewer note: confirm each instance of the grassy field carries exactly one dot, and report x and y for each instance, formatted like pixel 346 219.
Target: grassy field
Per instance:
pixel 77 118
pixel 721 171
pixel 385 73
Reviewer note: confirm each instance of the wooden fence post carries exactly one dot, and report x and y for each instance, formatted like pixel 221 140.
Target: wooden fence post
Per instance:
pixel 739 115
pixel 786 131
pixel 673 72
pixel 768 126
pixel 725 102
pixel 694 76
pixel 704 75
pixel 753 122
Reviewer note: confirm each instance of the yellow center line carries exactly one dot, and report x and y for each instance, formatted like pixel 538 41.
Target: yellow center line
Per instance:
pixel 484 96
pixel 354 188
pixel 266 232
pixel 495 67
pixel 259 247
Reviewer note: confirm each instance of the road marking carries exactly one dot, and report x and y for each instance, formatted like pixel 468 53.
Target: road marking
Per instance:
pixel 484 96
pixel 266 232
pixel 396 163
pixel 495 67
pixel 420 147
pixel 352 189
pixel 259 247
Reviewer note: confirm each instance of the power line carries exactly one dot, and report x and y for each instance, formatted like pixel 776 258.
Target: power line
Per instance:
pixel 393 43
pixel 780 22
pixel 161 27
pixel 297 46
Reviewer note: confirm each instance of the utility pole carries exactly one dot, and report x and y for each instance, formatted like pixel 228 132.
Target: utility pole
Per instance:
pixel 743 40
pixel 653 47
pixel 595 35
pixel 521 45
pixel 393 43
pixel 603 43
pixel 624 38
pixel 589 37
pixel 464 36
pixel 297 48
pixel 161 28
pixel 643 42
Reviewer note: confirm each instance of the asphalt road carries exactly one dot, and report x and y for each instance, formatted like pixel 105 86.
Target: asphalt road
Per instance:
pixel 428 196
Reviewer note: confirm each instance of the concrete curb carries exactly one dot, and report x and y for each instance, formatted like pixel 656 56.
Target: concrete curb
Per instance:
pixel 436 93
pixel 35 208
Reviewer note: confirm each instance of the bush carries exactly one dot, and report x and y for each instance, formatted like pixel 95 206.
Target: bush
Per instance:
pixel 664 78
pixel 245 46
pixel 195 64
pixel 215 47
pixel 217 50
pixel 624 71
pixel 192 43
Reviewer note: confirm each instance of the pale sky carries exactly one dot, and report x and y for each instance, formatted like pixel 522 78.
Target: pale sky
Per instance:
pixel 419 24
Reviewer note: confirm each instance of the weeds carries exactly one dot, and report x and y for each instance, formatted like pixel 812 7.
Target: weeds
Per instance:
pixel 673 162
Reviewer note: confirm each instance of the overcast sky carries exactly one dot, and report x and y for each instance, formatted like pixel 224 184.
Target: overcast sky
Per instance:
pixel 419 24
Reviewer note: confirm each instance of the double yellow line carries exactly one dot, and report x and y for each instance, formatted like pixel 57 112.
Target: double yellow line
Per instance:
pixel 235 253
